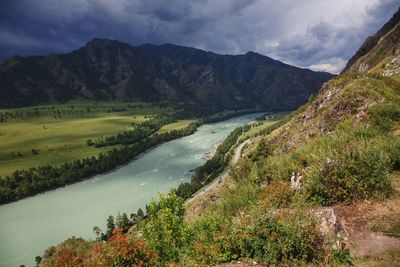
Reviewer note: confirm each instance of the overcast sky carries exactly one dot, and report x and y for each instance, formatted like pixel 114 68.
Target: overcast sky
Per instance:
pixel 318 34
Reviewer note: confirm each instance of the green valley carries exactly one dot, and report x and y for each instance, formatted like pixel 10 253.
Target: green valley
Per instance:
pixel 57 134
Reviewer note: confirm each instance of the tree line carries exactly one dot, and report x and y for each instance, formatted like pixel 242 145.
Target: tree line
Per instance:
pixel 139 132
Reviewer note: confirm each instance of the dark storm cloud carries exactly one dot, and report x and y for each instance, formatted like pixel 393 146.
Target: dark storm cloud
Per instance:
pixel 318 34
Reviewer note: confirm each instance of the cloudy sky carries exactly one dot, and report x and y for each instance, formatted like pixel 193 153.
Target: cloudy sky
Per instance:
pixel 318 34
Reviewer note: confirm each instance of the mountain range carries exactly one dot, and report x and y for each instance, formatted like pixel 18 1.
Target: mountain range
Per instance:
pixel 106 69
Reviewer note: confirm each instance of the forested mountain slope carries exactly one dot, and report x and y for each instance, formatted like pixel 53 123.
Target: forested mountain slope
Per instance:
pixel 109 69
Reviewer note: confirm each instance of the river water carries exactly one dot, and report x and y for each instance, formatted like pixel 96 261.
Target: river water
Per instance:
pixel 29 226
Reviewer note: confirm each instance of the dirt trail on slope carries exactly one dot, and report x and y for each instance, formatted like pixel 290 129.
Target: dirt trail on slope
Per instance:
pixel 361 221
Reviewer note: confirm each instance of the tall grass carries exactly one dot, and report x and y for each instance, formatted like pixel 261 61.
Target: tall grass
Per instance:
pixel 351 163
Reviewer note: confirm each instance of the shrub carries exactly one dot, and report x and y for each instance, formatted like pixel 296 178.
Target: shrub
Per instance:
pixel 72 252
pixel 212 241
pixel 383 116
pixel 360 171
pixel 165 229
pixel 277 195
pixel 122 250
pixel 341 257
pixel 281 236
pixel 267 236
pixel 393 149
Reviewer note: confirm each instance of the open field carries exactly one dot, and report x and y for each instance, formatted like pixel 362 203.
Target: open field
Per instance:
pixel 82 109
pixel 260 126
pixel 39 136
pixel 175 126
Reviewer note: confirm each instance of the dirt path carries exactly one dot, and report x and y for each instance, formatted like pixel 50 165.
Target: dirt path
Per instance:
pixel 223 175
pixel 359 221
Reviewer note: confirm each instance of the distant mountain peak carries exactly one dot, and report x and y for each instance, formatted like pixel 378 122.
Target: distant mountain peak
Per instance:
pixel 110 69
pixel 104 43
pixel 252 53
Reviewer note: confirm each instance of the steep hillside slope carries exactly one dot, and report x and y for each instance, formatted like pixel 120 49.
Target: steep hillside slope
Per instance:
pixel 368 80
pixel 373 49
pixel 108 69
pixel 342 147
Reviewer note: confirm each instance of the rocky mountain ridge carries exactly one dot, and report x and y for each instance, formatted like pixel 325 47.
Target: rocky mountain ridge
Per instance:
pixel 108 69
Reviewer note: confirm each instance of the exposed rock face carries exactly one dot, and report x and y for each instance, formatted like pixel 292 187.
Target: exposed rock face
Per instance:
pixel 384 43
pixel 109 69
pixel 393 67
pixel 330 225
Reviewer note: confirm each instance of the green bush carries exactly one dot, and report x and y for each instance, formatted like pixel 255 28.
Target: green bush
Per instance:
pixel 341 257
pixel 277 195
pixel 165 229
pixel 264 236
pixel 393 150
pixel 278 236
pixel 212 241
pixel 360 171
pixel 383 116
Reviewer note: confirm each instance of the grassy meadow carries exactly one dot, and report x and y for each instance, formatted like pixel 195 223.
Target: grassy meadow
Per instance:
pixel 175 126
pixel 259 127
pixel 55 134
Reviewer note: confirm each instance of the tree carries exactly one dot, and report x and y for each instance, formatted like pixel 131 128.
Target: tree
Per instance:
pixel 140 213
pixel 110 226
pixel 123 222
pixel 97 232
pixel 38 259
pixel 165 227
